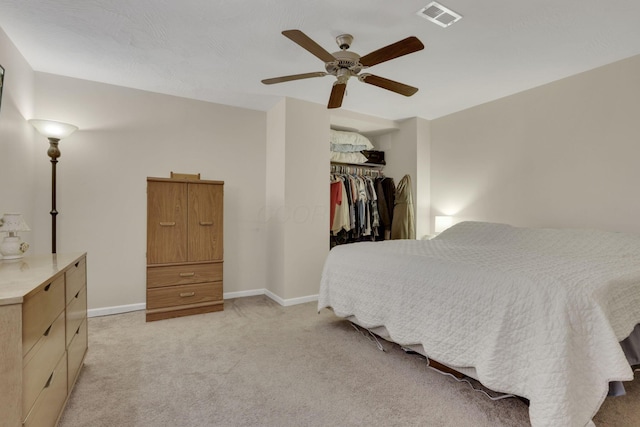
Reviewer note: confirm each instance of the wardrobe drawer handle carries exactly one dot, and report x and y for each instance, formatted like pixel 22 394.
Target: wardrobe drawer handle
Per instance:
pixel 186 294
pixel 206 222
pixel 167 223
pixel 187 274
pixel 50 380
pixel 46 333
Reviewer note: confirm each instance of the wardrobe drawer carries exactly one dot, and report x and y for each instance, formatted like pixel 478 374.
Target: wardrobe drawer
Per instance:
pixel 40 361
pixel 76 312
pixel 49 403
pixel 75 278
pixel 76 352
pixel 40 310
pixel 183 274
pixel 183 295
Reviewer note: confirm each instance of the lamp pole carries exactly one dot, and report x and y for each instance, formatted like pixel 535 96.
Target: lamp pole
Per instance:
pixel 54 153
pixel 54 132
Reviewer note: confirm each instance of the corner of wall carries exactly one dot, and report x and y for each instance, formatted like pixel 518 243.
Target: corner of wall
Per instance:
pixel 17 136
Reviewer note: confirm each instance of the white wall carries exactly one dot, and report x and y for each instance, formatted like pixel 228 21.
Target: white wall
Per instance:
pixel 126 135
pixel 17 179
pixel 306 197
pixel 297 198
pixel 275 196
pixel 562 155
pixel 422 199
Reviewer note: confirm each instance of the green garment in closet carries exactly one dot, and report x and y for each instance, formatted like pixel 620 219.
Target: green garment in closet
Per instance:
pixel 403 224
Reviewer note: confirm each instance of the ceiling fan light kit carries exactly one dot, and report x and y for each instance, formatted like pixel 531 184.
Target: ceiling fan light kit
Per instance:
pixel 345 64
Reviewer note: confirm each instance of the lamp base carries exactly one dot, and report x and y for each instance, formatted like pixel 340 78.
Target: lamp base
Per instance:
pixel 12 247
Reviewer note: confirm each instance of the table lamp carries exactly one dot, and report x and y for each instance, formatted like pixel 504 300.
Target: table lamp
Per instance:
pixel 12 246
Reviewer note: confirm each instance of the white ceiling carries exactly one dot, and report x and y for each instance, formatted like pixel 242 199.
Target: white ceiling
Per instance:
pixel 219 50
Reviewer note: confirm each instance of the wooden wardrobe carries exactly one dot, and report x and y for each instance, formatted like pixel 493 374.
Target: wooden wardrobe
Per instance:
pixel 184 247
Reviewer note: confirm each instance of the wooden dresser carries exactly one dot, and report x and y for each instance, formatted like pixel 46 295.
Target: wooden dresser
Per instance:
pixel 43 336
pixel 184 247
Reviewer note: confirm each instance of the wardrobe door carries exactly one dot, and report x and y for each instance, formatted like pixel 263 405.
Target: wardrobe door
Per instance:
pixel 166 222
pixel 205 222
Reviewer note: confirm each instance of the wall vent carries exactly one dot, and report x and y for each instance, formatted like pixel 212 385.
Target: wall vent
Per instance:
pixel 437 13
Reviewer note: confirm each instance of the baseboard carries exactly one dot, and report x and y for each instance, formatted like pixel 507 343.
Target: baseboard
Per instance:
pixel 290 301
pixel 106 311
pixel 241 294
pixel 119 309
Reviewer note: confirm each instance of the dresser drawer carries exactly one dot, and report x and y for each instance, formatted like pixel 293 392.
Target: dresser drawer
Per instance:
pixel 49 403
pixel 40 361
pixel 39 310
pixel 183 274
pixel 75 278
pixel 75 352
pixel 183 295
pixel 76 312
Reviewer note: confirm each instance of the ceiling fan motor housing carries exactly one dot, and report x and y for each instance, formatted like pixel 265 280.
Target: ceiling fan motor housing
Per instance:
pixel 345 60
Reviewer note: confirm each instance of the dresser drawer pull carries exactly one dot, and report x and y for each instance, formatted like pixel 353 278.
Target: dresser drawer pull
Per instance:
pixel 46 288
pixel 77 264
pixel 206 222
pixel 187 274
pixel 167 224
pixel 50 380
pixel 78 331
pixel 187 294
pixel 46 333
pixel 77 295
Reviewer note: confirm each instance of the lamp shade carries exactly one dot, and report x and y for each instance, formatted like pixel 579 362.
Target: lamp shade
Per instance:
pixel 53 129
pixel 12 222
pixel 442 223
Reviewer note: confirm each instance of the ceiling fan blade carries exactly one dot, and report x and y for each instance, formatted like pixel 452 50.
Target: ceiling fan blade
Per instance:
pixel 391 85
pixel 293 77
pixel 304 41
pixel 395 50
pixel 337 93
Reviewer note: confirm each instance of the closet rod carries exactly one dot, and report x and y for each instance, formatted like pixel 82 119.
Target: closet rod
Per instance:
pixel 356 170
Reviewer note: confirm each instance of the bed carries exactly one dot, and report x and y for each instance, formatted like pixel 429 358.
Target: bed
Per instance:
pixel 538 313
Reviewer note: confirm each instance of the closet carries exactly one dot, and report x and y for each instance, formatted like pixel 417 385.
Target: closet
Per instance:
pixel 361 197
pixel 184 246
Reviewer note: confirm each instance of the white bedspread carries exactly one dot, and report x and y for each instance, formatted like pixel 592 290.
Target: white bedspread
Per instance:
pixel 537 312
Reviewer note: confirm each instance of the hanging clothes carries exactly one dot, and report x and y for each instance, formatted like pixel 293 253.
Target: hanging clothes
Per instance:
pixel 386 191
pixel 354 212
pixel 335 200
pixel 341 218
pixel 403 224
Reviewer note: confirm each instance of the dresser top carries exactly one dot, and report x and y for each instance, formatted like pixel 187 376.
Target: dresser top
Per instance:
pixel 21 276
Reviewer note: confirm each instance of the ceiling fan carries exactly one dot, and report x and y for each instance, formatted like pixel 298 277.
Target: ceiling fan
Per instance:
pixel 344 64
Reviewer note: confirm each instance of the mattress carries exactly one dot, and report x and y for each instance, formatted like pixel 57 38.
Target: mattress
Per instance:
pixel 538 313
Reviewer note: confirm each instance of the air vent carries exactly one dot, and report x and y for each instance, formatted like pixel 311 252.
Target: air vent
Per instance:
pixel 437 13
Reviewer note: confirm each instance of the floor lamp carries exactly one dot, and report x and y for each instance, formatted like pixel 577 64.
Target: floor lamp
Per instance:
pixel 54 131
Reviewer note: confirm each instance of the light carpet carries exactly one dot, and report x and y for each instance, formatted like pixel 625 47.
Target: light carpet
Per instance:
pixel 260 364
